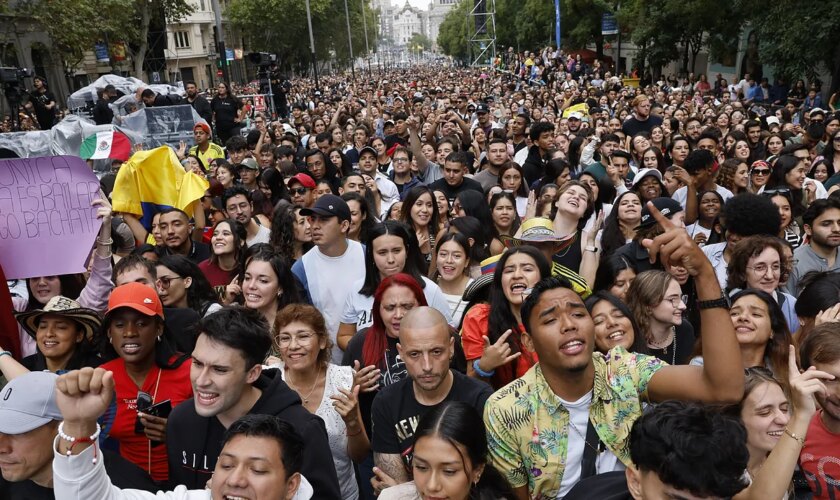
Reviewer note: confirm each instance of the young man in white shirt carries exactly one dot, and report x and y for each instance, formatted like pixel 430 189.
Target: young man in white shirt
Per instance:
pixel 328 271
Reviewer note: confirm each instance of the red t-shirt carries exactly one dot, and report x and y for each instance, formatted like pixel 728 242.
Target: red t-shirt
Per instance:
pixel 219 278
pixel 820 460
pixel 173 385
pixel 476 324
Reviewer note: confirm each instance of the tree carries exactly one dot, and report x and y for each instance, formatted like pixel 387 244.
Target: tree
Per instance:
pixel 419 40
pixel 797 41
pixel 74 26
pixel 259 20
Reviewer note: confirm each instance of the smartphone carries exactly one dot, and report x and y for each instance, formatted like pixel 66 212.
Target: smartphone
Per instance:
pixel 162 409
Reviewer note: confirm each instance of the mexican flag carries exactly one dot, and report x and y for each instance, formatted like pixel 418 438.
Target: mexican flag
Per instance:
pixel 109 144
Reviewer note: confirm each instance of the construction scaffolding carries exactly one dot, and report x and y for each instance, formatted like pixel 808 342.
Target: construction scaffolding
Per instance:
pixel 481 24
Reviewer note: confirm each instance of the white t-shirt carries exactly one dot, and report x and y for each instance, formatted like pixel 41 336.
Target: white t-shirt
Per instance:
pixel 359 309
pixel 579 418
pixel 328 281
pixel 681 194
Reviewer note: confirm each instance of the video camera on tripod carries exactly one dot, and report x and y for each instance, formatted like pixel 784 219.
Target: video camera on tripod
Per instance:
pixel 264 62
pixel 14 90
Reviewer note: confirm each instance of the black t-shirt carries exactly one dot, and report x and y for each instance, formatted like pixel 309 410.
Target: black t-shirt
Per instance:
pixel 46 117
pixel 632 126
pixel 123 474
pixel 392 368
pixel 684 338
pixel 102 114
pixel 396 412
pixel 451 192
pixel 393 139
pixel 226 111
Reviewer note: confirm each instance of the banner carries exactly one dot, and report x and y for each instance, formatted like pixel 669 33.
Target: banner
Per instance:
pixel 557 22
pixel 118 49
pixel 47 223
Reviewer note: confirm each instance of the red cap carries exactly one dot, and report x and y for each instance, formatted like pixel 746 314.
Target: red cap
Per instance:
pixel 142 298
pixel 203 126
pixel 303 179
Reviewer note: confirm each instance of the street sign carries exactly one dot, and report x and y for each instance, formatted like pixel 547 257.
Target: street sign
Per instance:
pixel 609 24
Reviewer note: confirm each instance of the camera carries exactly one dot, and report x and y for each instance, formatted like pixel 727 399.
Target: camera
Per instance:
pixel 14 75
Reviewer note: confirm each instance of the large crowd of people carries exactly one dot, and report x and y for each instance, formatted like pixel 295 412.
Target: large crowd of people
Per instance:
pixel 533 281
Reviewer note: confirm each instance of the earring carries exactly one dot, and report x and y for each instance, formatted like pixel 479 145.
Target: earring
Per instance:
pixel 159 337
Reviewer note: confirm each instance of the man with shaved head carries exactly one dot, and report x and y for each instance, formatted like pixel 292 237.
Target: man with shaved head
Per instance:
pixel 426 347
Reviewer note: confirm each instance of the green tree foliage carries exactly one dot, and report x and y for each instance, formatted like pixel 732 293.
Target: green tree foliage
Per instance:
pixel 279 26
pixel 420 41
pixel 797 40
pixel 74 26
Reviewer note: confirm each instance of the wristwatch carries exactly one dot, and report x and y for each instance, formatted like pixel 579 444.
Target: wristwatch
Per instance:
pixel 722 302
pixel 591 248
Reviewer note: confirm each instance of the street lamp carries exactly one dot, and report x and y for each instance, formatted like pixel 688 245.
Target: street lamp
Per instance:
pixel 311 43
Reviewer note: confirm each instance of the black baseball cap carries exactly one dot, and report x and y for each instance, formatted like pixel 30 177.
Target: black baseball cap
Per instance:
pixel 482 108
pixel 328 205
pixel 667 206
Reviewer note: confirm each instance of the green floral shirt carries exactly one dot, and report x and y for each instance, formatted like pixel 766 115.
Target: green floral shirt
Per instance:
pixel 527 426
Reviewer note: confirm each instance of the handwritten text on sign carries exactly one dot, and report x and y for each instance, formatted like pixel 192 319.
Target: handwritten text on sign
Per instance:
pixel 47 223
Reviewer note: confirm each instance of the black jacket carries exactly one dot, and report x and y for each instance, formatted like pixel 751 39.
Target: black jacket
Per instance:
pixel 534 166
pixel 194 442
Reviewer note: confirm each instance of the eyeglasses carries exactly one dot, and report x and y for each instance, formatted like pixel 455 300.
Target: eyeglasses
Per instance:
pixel 298 191
pixel 165 281
pixel 302 338
pixel 675 301
pixel 761 269
pixel 400 160
pixel 760 171
pixel 771 192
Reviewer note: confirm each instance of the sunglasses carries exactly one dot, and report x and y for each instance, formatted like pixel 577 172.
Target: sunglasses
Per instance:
pixel 761 171
pixel 299 191
pixel 771 192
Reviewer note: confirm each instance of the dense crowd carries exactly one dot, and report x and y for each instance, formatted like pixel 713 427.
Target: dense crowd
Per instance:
pixel 533 281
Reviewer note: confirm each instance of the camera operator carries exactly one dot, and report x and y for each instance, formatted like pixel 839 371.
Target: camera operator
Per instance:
pixel 43 102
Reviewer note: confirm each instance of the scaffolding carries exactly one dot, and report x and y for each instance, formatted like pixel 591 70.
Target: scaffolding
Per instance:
pixel 481 24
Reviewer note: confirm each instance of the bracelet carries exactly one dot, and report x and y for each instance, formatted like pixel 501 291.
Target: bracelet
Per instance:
pixel 796 438
pixel 76 440
pixel 355 433
pixel 108 242
pixel 481 372
pixel 5 353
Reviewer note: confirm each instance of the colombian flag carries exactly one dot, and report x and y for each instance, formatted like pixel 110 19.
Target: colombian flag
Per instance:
pixel 151 181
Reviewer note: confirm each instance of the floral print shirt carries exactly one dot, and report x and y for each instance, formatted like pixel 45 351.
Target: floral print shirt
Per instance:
pixel 527 426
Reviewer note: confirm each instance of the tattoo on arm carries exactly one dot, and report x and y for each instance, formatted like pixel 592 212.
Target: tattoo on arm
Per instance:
pixel 391 464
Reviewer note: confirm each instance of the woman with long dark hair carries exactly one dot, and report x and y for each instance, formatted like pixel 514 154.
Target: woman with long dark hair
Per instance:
pixel 420 212
pixel 361 218
pixel 613 324
pixel 615 275
pixel 450 459
pixel 620 225
pixel 291 235
pixel 390 249
pixel 227 247
pixel 452 272
pixel 180 283
pixel 505 219
pixel 266 283
pixel 509 354
pixel 788 175
pixel 472 204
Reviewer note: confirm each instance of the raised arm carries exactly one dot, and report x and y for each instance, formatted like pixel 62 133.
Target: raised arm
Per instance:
pixel 721 379
pixel 416 147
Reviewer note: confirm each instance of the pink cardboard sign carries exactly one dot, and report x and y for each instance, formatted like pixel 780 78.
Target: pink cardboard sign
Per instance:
pixel 47 223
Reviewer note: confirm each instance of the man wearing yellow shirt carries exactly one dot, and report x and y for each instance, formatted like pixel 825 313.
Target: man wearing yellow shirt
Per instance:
pixel 204 148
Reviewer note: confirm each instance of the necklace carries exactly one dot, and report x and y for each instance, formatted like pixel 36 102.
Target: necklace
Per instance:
pixel 306 398
pixel 574 428
pixel 666 346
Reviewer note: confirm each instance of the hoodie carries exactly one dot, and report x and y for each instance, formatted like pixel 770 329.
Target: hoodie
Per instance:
pixel 195 442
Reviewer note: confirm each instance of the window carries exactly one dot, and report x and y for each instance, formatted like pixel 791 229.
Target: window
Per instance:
pixel 182 39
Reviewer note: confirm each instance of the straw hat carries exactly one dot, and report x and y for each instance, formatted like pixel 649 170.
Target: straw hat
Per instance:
pixel 61 306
